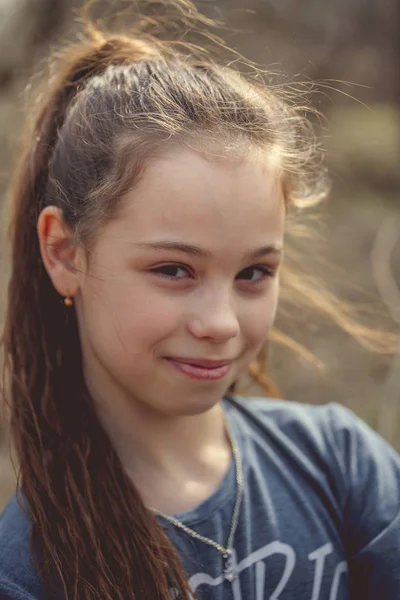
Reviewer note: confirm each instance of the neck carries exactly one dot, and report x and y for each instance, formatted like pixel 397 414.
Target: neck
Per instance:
pixel 141 435
pixel 163 454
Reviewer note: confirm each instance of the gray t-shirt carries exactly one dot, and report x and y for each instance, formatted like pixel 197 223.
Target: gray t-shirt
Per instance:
pixel 320 516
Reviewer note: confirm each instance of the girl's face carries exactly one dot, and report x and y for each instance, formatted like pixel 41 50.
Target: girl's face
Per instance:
pixel 181 290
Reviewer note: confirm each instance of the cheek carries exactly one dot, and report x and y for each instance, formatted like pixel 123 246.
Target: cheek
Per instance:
pixel 129 319
pixel 259 317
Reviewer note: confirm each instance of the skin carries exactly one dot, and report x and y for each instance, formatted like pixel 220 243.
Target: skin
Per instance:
pixel 137 306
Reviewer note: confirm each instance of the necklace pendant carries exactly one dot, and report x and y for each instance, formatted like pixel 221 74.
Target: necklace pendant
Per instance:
pixel 229 571
pixel 230 575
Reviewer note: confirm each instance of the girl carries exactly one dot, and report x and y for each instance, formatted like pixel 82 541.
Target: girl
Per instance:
pixel 147 238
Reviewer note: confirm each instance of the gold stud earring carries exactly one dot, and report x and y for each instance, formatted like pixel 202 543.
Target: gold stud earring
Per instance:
pixel 68 301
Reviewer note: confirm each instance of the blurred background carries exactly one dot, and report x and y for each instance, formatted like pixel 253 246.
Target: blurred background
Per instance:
pixel 354 47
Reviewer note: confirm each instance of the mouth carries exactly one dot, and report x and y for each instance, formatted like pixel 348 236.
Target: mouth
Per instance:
pixel 203 369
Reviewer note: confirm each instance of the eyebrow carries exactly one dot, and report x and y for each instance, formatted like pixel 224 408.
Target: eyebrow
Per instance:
pixel 201 252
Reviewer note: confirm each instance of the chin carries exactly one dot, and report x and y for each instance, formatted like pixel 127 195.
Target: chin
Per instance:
pixel 196 404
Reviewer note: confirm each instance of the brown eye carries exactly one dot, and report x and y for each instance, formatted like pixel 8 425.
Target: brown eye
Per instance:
pixel 171 271
pixel 255 273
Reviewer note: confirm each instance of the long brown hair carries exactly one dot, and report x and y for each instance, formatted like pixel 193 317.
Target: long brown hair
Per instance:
pixel 114 102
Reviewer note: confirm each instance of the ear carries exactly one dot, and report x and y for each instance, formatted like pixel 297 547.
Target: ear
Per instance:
pixel 61 257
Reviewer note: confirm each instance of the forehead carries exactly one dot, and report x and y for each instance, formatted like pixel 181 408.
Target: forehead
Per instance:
pixel 187 194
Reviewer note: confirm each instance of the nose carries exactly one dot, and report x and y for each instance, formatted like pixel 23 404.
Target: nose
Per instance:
pixel 215 319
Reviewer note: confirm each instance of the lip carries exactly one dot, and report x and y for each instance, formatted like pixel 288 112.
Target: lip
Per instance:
pixel 202 362
pixel 202 369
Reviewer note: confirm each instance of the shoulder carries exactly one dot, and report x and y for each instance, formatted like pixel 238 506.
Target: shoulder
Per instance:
pixel 19 579
pixel 330 430
pixel 319 425
pixel 331 442
pixel 325 423
pixel 306 441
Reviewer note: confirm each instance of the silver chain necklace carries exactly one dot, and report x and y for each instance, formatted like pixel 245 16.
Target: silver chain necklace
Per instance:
pixel 226 551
